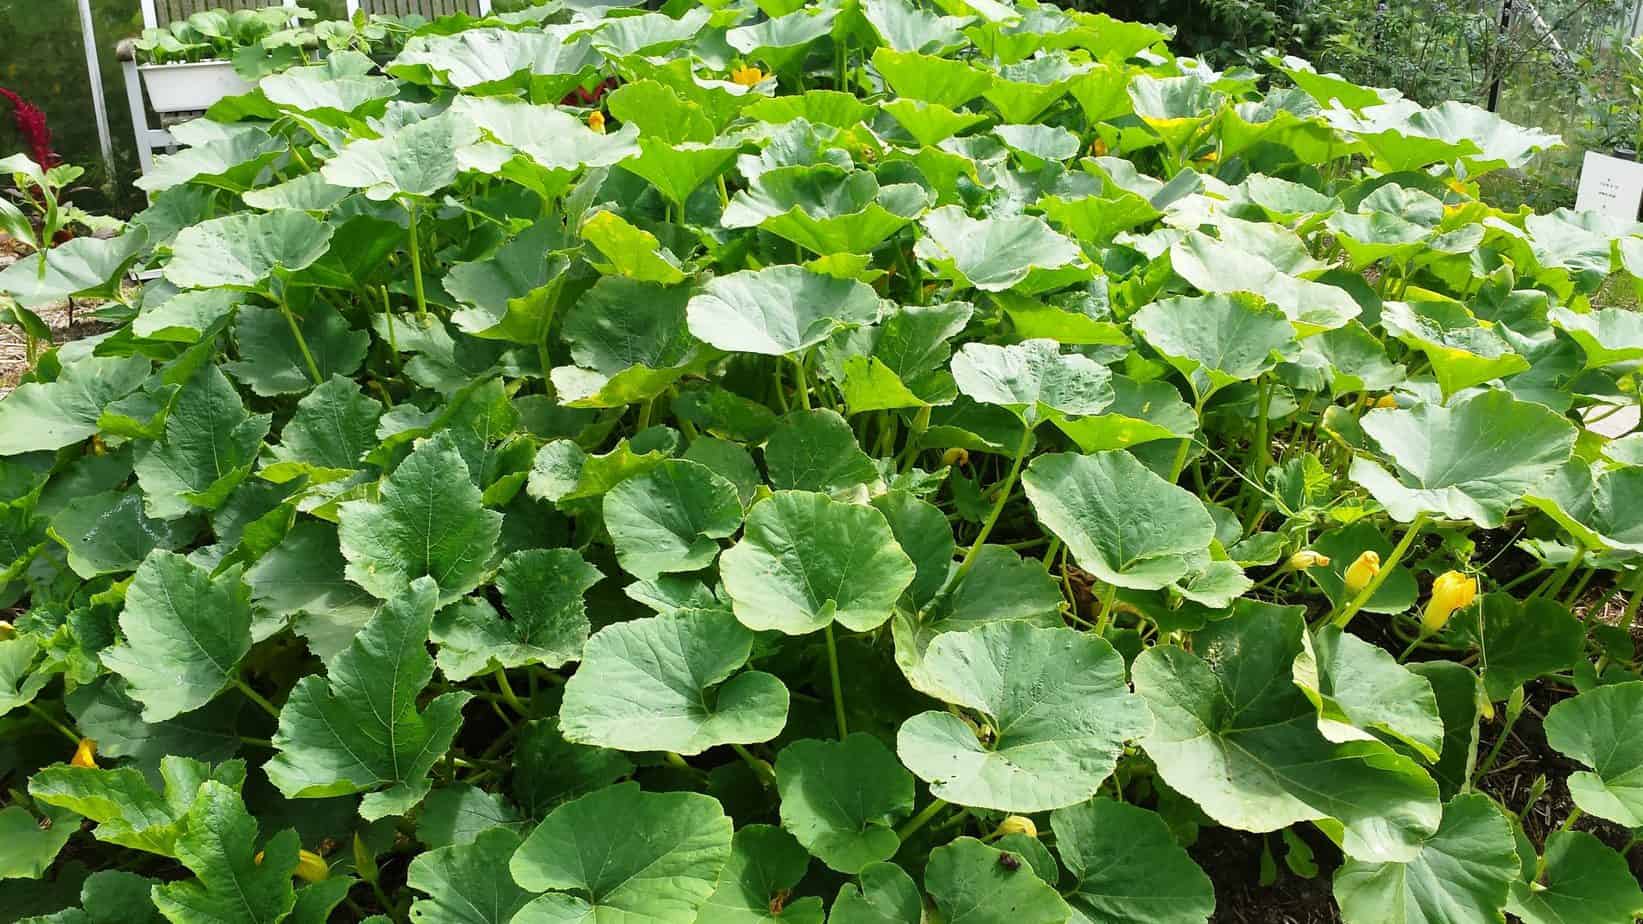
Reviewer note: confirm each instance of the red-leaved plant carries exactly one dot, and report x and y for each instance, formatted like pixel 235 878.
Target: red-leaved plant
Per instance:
pixel 31 124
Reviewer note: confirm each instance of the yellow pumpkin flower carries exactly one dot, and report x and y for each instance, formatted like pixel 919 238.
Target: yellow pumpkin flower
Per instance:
pixel 85 754
pixel 1306 558
pixel 1016 824
pixel 311 867
pixel 1450 592
pixel 7 630
pixel 957 455
pixel 747 75
pixel 1362 570
pixel 1387 401
pixel 596 121
pixel 1098 148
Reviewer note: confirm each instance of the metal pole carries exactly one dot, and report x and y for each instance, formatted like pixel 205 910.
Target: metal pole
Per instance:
pixel 94 71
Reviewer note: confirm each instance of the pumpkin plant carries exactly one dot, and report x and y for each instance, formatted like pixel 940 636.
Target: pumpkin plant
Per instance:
pixel 870 462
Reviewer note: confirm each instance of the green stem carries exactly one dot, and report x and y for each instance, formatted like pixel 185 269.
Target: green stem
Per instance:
pixel 760 768
pixel 1186 442
pixel 302 343
pixel 921 422
pixel 1108 598
pixel 1356 603
pixel 416 268
pixel 51 720
pixel 1555 584
pixel 1413 644
pixel 256 697
pixel 920 820
pixel 393 336
pixel 1004 490
pixel 508 694
pixel 802 383
pixel 833 674
pixel 1500 742
pixel 1629 616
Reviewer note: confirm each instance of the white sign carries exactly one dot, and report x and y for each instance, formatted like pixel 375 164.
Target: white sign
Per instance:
pixel 1610 186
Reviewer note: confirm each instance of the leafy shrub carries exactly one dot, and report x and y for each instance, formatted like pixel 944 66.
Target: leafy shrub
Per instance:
pixel 874 461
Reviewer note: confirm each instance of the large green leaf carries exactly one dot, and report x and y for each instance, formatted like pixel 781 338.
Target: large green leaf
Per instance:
pixel 359 728
pixel 1218 339
pixel 1601 509
pixel 1462 352
pixel 29 845
pixel 883 894
pixel 817 451
pixel 992 254
pixel 50 415
pixel 806 560
pixel 1122 523
pixel 418 159
pixel 842 799
pixel 1585 882
pixel 1363 693
pixel 1248 750
pixel 971 886
pixel 428 521
pixel 621 854
pixel 236 881
pixel 1128 867
pixel 126 807
pixel 1471 461
pixel 669 518
pixel 1034 379
pixel 547 623
pixel 209 446
pixel 1053 713
pixel 468 883
pixel 672 683
pixel 824 208
pixel 757 884
pixel 778 311
pixel 245 249
pixel 1462 873
pixel 185 633
pixel 1599 729
pixel 83 266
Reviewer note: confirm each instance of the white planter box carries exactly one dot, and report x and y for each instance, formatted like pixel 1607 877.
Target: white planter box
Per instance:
pixel 191 86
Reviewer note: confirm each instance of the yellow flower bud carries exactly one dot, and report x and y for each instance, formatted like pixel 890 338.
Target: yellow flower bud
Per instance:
pixel 958 455
pixel 1016 824
pixel 1450 592
pixel 311 867
pixel 1306 558
pixel 747 75
pixel 1387 401
pixel 596 121
pixel 85 754
pixel 1098 148
pixel 1362 571
pixel 6 631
